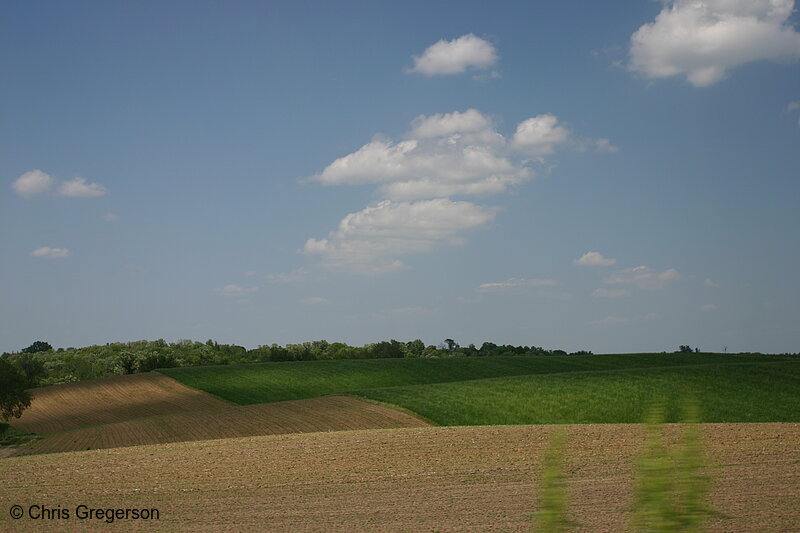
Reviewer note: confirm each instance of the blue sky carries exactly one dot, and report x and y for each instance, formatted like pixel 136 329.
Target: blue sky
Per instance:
pixel 612 176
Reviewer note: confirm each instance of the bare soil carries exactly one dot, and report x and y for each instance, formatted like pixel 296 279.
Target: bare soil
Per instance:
pixel 417 479
pixel 113 399
pixel 333 413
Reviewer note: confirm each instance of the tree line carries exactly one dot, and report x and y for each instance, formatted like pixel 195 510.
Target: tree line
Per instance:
pixel 40 364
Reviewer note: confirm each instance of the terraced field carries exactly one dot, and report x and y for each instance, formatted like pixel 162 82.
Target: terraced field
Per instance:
pixel 152 408
pixel 332 413
pixel 114 399
pixel 446 479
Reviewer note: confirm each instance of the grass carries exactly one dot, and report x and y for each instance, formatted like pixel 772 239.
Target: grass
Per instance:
pixel 738 392
pixel 272 382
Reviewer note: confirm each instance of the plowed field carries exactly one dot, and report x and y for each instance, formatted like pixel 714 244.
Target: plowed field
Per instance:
pixel 114 399
pixel 333 413
pixel 419 479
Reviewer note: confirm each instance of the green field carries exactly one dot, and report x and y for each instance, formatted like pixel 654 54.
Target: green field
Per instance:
pixel 271 382
pixel 747 392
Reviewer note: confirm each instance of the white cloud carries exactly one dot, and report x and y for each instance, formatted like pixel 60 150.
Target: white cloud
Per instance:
pixel 622 321
pixel 77 187
pixel 370 240
pixel 443 155
pixel 110 217
pixel 50 253
pixel 314 300
pixel 234 290
pixel 603 145
pixel 540 135
pixel 708 307
pixel 250 273
pixel 794 106
pixel 594 259
pixel 610 293
pixel 644 277
pixel 512 284
pixel 442 124
pixel 455 57
pixel 703 39
pixel 295 275
pixel 709 283
pixel 32 183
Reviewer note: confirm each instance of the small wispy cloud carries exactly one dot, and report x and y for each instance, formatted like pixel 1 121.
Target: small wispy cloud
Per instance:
pixel 293 276
pixel 110 217
pixel 512 284
pixel 314 300
pixel 644 277
pixel 610 293
pixel 50 253
pixel 622 321
pixel 708 307
pixel 78 188
pixel 234 290
pixel 594 259
pixel 709 283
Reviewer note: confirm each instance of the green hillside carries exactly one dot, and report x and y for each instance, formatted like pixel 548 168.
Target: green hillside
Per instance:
pixel 744 392
pixel 271 382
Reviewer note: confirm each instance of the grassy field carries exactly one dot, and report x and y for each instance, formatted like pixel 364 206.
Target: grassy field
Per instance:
pixel 744 392
pixel 272 382
pixel 443 479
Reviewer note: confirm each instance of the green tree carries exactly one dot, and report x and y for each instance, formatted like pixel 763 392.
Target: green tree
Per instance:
pixel 13 396
pixel 36 347
pixel 32 368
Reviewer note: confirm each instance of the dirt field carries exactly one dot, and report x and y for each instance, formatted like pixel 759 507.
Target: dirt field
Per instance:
pixel 333 413
pixel 419 479
pixel 114 399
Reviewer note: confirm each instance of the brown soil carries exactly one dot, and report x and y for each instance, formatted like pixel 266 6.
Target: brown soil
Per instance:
pixel 418 479
pixel 334 413
pixel 114 399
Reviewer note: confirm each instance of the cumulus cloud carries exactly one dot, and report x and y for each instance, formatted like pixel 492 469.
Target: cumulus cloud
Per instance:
pixel 32 183
pixel 610 293
pixel 77 187
pixel 709 283
pixel 467 52
pixel 540 135
pixel 371 240
pixel 594 259
pixel 603 145
pixel 644 277
pixel 234 290
pixel 704 39
pixel 50 253
pixel 512 284
pixel 442 155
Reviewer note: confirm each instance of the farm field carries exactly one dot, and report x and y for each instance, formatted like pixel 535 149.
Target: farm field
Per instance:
pixel 332 413
pixel 740 392
pixel 419 479
pixel 114 399
pixel 271 382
